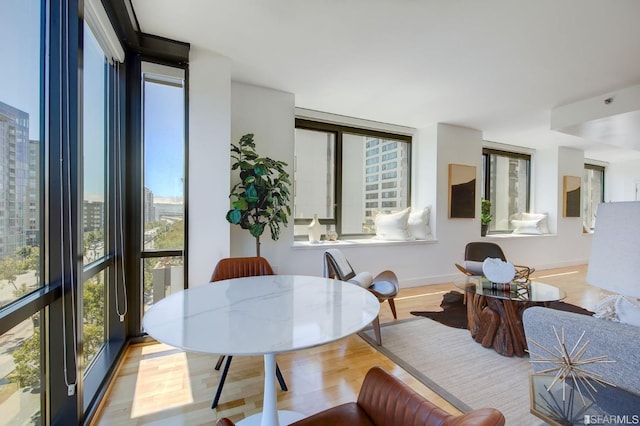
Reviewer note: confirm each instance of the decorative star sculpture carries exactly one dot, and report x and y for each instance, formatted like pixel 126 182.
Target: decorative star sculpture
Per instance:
pixel 569 365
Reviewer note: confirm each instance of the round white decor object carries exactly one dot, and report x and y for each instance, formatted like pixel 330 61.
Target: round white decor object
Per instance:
pixel 498 271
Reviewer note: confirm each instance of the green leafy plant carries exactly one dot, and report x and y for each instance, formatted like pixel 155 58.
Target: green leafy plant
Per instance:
pixel 261 198
pixel 485 212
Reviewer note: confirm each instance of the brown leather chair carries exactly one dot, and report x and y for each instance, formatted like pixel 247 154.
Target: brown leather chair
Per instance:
pixel 239 267
pixel 384 285
pixel 386 401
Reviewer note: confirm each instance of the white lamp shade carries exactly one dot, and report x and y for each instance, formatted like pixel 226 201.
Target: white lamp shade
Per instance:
pixel 615 249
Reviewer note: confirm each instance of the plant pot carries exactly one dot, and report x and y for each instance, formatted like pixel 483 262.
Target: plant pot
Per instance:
pixel 483 229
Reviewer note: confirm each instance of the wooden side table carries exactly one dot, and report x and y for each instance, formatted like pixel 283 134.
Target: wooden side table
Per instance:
pixel 495 317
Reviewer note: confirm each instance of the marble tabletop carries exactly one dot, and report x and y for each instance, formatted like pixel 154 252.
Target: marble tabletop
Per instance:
pixel 261 315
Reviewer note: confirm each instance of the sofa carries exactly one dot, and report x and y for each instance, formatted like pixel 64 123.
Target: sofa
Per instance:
pixel 619 341
pixel 385 400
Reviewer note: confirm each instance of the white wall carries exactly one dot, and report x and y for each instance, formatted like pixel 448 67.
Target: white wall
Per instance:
pixel 269 114
pixel 621 180
pixel 570 163
pixel 209 131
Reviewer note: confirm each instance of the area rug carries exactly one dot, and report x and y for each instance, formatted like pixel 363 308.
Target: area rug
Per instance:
pixel 454 311
pixel 452 364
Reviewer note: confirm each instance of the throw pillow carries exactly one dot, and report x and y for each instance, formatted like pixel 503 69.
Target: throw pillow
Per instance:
pixel 393 226
pixel 363 279
pixel 474 267
pixel 527 227
pixel 606 308
pixel 618 308
pixel 418 223
pixel 628 311
pixel 542 217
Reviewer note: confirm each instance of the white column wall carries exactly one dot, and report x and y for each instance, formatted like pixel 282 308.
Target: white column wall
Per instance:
pixel 209 131
pixel 270 116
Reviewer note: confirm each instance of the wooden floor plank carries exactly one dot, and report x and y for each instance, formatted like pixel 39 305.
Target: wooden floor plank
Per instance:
pixel 157 384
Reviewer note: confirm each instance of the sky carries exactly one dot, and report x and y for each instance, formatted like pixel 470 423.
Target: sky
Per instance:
pixel 20 35
pixel 164 140
pixel 20 88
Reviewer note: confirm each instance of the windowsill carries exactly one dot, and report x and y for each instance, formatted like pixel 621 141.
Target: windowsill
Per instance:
pixel 357 242
pixel 507 236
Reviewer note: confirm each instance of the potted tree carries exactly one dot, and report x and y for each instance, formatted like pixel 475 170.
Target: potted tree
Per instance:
pixel 261 198
pixel 485 217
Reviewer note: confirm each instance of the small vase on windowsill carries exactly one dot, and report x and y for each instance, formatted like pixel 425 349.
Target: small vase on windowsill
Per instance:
pixel 315 230
pixel 483 229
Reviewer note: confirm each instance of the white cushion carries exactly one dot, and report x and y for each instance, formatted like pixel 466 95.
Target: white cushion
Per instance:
pixel 618 308
pixel 363 279
pixel 606 308
pixel 543 225
pixel 393 226
pixel 474 267
pixel 418 223
pixel 527 227
pixel 628 311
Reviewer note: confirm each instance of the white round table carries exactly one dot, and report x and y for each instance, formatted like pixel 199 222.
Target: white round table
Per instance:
pixel 262 315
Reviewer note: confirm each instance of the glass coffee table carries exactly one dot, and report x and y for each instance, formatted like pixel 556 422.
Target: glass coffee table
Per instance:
pixel 494 311
pixel 558 406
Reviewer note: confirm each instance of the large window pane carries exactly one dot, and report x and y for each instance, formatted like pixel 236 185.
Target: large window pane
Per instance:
pixel 314 176
pixel 375 179
pixel 20 142
pixel 164 147
pixel 20 373
pixel 94 148
pixel 506 185
pixel 162 191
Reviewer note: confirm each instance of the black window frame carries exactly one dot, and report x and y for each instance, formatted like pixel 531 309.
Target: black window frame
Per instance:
pixel 486 183
pixel 61 268
pixel 339 130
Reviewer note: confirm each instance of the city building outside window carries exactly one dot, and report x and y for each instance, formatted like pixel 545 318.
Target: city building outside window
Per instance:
pixel 506 183
pixel 339 171
pixel 21 243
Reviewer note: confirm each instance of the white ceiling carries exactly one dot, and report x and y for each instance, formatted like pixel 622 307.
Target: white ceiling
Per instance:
pixel 499 66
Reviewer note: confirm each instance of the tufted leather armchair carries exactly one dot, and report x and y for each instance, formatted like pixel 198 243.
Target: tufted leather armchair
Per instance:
pixel 386 401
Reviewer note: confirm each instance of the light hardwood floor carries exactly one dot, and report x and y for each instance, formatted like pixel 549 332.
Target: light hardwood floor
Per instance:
pixel 157 384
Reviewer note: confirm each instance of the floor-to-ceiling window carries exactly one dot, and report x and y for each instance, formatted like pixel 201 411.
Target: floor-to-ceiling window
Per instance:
pixel 64 292
pixel 102 289
pixel 21 140
pixel 162 191
pixel 59 97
